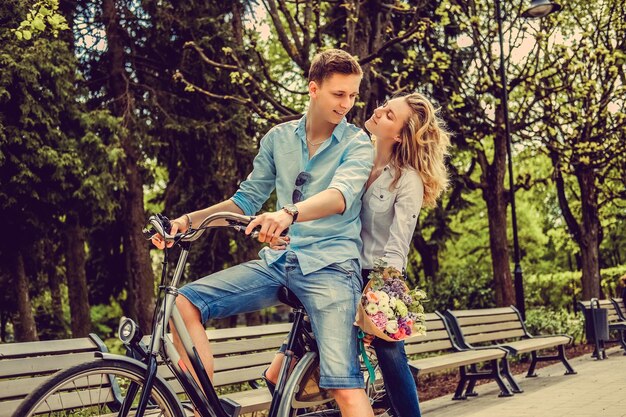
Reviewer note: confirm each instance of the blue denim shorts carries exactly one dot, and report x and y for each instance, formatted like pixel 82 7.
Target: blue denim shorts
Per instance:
pixel 329 295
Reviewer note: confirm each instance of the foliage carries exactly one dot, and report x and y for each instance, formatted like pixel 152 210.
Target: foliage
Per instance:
pixel 561 290
pixel 105 318
pixel 464 289
pixel 551 321
pixel 42 14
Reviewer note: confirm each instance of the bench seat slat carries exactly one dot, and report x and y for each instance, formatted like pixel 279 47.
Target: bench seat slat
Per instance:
pixel 457 359
pixel 528 345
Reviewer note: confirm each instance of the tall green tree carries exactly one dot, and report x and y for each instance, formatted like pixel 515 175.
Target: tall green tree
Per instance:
pixel 584 124
pixel 44 129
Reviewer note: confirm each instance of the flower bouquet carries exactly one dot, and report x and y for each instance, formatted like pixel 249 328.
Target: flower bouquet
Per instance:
pixel 388 309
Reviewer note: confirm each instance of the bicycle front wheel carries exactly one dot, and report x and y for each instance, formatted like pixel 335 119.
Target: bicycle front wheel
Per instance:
pixel 98 388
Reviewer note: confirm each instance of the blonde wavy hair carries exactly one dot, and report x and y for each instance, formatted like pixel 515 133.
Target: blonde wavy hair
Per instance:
pixel 424 147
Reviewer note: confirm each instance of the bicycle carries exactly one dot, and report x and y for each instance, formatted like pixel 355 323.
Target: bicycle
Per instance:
pixel 137 388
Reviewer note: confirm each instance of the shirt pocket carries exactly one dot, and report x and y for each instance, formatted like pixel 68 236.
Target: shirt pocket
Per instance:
pixel 380 200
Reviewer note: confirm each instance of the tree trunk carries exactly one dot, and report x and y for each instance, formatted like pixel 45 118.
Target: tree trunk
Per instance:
pixel 494 195
pixel 136 252
pixel 76 277
pixel 25 327
pixel 139 271
pixel 429 252
pixel 54 281
pixel 591 235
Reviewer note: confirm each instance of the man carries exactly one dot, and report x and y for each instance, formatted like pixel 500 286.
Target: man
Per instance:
pixel 318 166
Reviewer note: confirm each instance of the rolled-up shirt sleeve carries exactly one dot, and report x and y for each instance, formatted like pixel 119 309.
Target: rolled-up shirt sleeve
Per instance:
pixel 256 189
pixel 354 170
pixel 406 208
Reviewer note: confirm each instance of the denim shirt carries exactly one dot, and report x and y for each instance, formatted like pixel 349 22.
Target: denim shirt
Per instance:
pixel 343 162
pixel 389 217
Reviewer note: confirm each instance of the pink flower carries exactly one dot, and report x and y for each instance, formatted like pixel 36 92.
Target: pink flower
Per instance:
pixel 400 334
pixel 379 319
pixel 371 297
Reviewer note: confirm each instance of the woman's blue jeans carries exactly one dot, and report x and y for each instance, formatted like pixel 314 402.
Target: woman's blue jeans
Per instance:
pixel 399 383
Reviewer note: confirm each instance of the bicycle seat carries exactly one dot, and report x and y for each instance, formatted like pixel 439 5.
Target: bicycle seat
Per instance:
pixel 286 296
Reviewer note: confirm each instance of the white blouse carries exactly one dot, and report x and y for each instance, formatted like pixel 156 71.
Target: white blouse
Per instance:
pixel 389 217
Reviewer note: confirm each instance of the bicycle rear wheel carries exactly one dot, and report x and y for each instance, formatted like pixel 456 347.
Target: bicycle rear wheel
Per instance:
pixel 98 388
pixel 304 398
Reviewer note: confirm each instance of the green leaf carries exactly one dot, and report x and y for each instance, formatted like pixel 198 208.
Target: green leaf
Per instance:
pixel 38 24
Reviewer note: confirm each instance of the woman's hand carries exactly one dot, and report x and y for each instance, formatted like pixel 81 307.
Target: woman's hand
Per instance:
pixel 368 339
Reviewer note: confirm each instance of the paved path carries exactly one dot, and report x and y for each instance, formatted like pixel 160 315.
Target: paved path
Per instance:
pixel 598 390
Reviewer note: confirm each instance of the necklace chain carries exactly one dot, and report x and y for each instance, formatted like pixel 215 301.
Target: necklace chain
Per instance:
pixel 315 144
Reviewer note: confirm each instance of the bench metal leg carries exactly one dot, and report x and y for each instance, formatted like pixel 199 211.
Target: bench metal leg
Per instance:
pixel 533 363
pixel 506 372
pixel 568 367
pixel 504 390
pixel 458 393
pixel 469 392
pixel 622 340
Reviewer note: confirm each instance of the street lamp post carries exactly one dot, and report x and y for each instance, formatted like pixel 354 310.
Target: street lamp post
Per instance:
pixel 537 9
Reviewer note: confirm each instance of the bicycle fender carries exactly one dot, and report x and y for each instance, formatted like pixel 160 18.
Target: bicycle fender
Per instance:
pixel 113 357
pixel 293 384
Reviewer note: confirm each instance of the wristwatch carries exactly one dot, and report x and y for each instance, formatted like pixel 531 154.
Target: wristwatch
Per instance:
pixel 293 210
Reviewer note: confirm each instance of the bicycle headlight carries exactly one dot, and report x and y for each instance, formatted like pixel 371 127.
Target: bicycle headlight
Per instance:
pixel 128 331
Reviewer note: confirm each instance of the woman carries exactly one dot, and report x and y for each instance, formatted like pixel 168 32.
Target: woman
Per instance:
pixel 409 171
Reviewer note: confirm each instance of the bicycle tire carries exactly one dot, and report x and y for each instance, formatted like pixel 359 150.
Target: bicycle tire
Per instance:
pixel 87 390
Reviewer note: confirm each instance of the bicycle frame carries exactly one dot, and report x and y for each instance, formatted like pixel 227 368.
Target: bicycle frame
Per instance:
pixel 203 396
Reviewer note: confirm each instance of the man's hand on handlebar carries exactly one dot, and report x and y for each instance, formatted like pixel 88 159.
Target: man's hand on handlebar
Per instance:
pixel 272 225
pixel 180 224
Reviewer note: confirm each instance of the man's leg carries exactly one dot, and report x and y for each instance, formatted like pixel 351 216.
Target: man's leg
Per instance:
pixel 330 297
pixel 240 289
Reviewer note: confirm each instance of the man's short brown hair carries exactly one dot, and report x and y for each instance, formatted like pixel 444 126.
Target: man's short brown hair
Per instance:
pixel 332 61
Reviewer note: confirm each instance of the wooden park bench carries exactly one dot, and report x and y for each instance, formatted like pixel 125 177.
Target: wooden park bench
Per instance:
pixel 446 354
pixel 24 366
pixel 616 314
pixel 241 355
pixel 504 327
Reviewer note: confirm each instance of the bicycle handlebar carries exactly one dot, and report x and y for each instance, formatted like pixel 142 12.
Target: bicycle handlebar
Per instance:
pixel 236 221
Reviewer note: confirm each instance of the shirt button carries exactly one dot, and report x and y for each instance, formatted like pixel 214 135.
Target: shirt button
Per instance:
pixel 381 196
pixel 385 169
pixel 414 216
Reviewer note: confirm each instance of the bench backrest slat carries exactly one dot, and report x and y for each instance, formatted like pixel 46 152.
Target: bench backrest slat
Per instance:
pixel 490 337
pixel 24 366
pixel 612 315
pixel 488 319
pixel 215 335
pixel 482 312
pixel 47 347
pixel 41 365
pixel 491 328
pixel 412 349
pixel 482 326
pixel 435 339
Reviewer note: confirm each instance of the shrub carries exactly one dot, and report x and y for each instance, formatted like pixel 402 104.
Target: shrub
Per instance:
pixel 542 320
